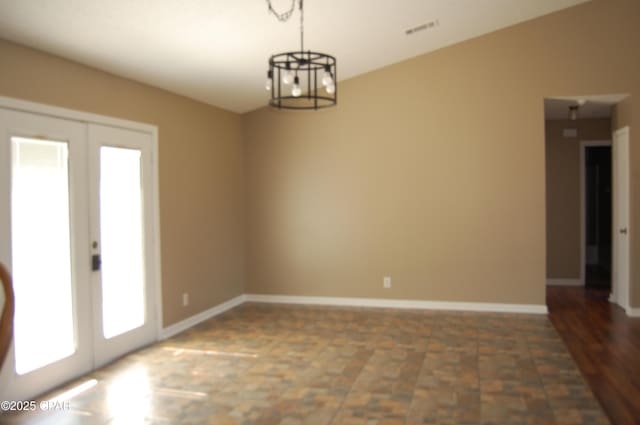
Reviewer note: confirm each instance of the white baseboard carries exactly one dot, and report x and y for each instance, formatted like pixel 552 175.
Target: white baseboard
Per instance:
pixel 185 324
pixel 564 282
pixel 406 304
pixel 633 312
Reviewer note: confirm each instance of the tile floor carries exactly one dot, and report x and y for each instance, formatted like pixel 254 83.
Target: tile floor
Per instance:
pixel 300 365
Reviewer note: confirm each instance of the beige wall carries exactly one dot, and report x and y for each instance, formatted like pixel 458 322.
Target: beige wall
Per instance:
pixel 432 171
pixel 200 169
pixel 563 192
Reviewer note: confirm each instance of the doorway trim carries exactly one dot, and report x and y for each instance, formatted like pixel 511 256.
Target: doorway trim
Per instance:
pixel 584 144
pixel 91 118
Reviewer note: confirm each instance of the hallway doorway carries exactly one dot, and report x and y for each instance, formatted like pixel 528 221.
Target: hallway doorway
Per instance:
pixel 587 194
pixel 596 221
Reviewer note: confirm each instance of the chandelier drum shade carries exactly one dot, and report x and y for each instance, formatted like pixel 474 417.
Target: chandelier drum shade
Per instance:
pixel 297 80
pixel 301 79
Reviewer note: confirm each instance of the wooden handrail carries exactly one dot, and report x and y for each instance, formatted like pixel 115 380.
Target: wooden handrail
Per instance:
pixel 6 319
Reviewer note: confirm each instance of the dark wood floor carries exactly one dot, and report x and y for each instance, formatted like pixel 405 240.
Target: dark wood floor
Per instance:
pixel 606 345
pixel 598 276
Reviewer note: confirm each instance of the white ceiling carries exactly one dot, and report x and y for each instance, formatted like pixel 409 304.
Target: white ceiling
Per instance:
pixel 216 51
pixel 557 108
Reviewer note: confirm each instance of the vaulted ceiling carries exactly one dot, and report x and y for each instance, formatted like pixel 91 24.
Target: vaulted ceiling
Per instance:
pixel 216 51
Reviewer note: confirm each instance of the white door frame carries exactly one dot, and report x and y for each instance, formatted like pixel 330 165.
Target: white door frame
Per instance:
pixel 90 118
pixel 584 144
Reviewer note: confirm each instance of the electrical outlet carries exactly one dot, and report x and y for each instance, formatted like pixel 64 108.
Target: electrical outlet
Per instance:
pixel 185 299
pixel 386 282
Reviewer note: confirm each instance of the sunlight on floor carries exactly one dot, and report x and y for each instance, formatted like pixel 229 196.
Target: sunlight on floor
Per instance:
pixel 129 394
pixel 179 351
pixel 75 391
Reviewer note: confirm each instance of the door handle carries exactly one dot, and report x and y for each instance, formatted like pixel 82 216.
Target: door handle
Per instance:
pixel 623 230
pixel 96 262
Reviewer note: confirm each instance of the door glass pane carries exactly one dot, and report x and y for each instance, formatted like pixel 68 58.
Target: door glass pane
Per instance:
pixel 41 250
pixel 123 306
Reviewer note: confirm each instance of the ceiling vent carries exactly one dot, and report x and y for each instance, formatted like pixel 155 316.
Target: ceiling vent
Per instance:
pixel 423 27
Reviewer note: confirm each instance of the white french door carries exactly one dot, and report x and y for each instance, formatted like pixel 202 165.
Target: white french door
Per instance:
pixel 44 244
pixel 76 219
pixel 121 240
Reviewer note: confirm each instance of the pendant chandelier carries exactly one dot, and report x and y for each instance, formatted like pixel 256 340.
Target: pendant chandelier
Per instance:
pixel 301 79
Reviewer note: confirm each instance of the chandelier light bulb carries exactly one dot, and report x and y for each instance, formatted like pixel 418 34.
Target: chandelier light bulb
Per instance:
pixel 331 88
pixel 287 76
pixel 296 91
pixel 327 79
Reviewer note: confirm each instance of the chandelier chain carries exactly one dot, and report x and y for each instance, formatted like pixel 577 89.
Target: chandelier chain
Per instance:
pixel 284 16
pixel 301 27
